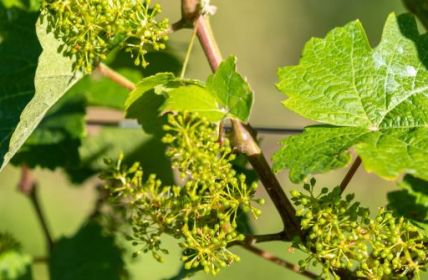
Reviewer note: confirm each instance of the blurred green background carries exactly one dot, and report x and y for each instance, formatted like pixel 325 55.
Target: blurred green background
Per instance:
pixel 264 35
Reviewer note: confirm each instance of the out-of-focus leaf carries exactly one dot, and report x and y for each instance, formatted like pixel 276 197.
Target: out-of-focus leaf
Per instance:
pixel 419 8
pixel 377 98
pixel 88 255
pixel 28 5
pixel 110 142
pixel 14 265
pixel 101 91
pixel 411 201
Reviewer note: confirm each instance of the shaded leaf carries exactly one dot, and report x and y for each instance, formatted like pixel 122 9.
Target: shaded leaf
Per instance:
pixel 110 142
pixel 419 8
pixel 378 96
pixel 103 92
pixel 88 255
pixel 144 103
pixel 411 201
pixel 56 140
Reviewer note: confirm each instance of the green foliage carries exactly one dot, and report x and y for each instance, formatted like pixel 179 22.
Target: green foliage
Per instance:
pixel 14 265
pixel 376 98
pixel 28 5
pixel 203 212
pixel 89 254
pixel 89 30
pixel 52 79
pixel 196 99
pixel 411 201
pixel 231 90
pixel 226 94
pixel 111 141
pixel 57 138
pixel 419 8
pixel 343 238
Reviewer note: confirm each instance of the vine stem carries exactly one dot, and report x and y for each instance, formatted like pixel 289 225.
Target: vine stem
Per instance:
pixel 188 53
pixel 246 142
pixel 281 262
pixel 28 186
pixel 115 77
pixel 350 174
pixel 243 133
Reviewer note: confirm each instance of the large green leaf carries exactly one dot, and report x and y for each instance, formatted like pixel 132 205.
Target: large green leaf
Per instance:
pixel 23 104
pixel 376 98
pixel 411 201
pixel 89 254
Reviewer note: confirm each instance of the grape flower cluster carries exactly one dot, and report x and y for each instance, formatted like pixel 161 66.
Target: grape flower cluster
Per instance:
pixel 89 30
pixel 202 212
pixel 342 237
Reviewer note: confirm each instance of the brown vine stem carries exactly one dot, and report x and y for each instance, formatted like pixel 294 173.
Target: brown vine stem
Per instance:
pixel 245 139
pixel 281 262
pixel 115 77
pixel 350 174
pixel 28 186
pixel 246 142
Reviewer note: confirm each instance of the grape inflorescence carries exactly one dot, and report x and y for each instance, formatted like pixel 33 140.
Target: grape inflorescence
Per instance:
pixel 89 30
pixel 202 212
pixel 343 238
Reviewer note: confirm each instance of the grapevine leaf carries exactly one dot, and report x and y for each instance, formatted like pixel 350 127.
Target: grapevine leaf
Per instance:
pixel 194 98
pixel 411 201
pixel 89 254
pixel 144 103
pixel 328 150
pixel 24 104
pixel 231 90
pixel 378 96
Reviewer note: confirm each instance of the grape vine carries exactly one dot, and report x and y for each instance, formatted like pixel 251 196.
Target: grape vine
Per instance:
pixel 373 100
